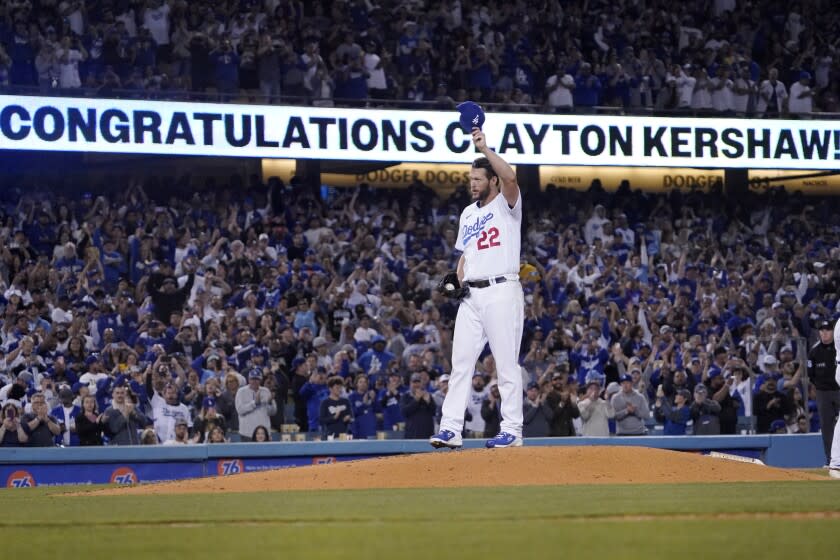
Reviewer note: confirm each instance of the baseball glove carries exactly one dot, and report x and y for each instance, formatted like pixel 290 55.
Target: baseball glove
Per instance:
pixel 452 288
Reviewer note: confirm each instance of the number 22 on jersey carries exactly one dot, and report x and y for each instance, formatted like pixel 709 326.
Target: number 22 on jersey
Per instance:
pixel 488 238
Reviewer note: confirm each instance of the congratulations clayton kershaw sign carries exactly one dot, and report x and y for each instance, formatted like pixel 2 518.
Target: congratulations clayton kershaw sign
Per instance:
pixel 159 127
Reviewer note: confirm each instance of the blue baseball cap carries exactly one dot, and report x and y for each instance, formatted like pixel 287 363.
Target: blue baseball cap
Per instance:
pixel 472 115
pixel 777 425
pixel 625 377
pixel 208 402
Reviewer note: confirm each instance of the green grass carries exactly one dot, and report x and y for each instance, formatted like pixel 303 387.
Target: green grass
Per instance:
pixel 577 522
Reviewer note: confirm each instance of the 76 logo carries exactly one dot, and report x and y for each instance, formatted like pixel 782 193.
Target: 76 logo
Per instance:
pixel 24 482
pixel 230 466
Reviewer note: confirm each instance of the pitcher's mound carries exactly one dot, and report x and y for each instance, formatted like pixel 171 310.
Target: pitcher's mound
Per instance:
pixel 499 467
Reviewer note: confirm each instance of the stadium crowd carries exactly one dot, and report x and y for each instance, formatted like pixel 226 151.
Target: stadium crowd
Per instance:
pixel 134 316
pixel 762 57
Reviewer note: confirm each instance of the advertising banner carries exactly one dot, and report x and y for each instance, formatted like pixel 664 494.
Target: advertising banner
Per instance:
pixel 57 474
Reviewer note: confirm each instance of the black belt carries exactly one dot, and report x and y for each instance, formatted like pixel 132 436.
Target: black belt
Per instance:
pixel 486 283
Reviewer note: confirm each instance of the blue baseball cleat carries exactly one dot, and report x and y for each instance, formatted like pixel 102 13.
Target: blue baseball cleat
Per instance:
pixel 446 438
pixel 504 439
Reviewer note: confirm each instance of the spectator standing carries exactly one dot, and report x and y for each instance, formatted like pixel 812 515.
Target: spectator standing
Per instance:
pixel 168 412
pixel 721 389
pixel 208 419
pixel 474 427
pixel 743 92
pixel 772 95
pixel 312 393
pixel 88 425
pixel 255 405
pixel 335 413
pixel 66 413
pixel 12 433
pixel 563 404
pixel 21 51
pixel 375 67
pixel 675 416
pixel 269 52
pixel 226 68
pixel 559 88
pixel 587 90
pixel 631 409
pixel 71 53
pixel 822 367
pixel 801 101
pixel 490 411
pixel 683 85
pixel 721 87
pixel 705 413
pixel 122 420
pixel 419 409
pixel 701 98
pixel 537 413
pixel 390 398
pixel 156 20
pixel 770 405
pixel 40 426
pixel 363 401
pixel 226 401
pixel 595 412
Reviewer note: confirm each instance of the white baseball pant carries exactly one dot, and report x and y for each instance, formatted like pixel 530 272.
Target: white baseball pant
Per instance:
pixel 494 314
pixel 835 442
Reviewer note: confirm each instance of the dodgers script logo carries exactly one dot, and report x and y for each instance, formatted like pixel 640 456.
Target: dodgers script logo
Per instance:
pixel 124 475
pixel 227 467
pixel 475 228
pixel 20 479
pixel 323 460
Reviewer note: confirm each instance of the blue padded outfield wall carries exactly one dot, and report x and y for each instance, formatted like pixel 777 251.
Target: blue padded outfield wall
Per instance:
pixel 26 467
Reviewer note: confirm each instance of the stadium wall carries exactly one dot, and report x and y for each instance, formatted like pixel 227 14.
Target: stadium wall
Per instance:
pixel 27 467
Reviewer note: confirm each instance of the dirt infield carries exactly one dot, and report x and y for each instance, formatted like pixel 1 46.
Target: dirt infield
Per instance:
pixel 501 467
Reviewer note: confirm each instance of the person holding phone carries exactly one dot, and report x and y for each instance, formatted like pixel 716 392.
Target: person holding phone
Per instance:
pixel 11 431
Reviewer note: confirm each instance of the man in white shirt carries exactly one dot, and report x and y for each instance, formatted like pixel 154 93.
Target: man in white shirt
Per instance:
pixel 375 65
pixel 684 85
pixel 721 87
pixel 169 413
pixel 771 95
pixel 559 88
pixel 743 90
pixel 477 395
pixel 701 98
pixel 156 20
pixel 801 96
pixel 71 11
pixel 69 55
pixel 255 406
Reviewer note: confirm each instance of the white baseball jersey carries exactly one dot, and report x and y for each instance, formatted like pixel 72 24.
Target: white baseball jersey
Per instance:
pixel 165 417
pixel 490 238
pixel 834 463
pixel 837 349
